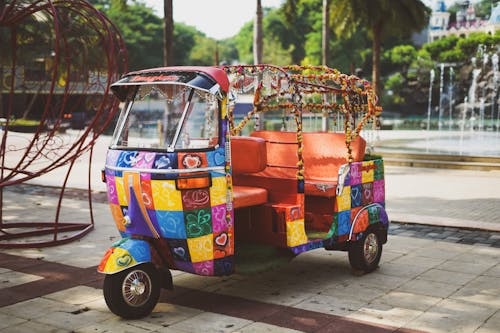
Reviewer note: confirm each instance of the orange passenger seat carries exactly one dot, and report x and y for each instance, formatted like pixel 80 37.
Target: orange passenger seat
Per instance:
pixel 248 155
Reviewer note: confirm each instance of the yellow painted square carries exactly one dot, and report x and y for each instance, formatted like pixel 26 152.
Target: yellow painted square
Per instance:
pixel 367 176
pixel 120 191
pixel 165 195
pixel 201 248
pixel 218 191
pixel 295 233
pixel 117 213
pixel 344 200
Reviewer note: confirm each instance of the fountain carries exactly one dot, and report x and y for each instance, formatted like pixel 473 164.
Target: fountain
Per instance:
pixel 472 123
pixel 494 64
pixel 450 99
pixel 441 83
pixel 431 79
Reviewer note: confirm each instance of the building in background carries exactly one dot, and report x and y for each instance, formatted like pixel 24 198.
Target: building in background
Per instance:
pixel 466 21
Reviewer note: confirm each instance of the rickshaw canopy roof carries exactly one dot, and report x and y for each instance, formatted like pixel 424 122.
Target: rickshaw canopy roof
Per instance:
pixel 205 78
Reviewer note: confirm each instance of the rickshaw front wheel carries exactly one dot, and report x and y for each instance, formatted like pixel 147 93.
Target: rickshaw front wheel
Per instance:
pixel 134 292
pixel 365 253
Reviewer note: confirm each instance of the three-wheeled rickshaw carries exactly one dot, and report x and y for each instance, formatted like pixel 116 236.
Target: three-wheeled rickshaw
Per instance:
pixel 188 178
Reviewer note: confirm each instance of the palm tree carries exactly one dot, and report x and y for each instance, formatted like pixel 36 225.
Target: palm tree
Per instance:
pixel 325 36
pixel 382 18
pixel 168 33
pixel 257 35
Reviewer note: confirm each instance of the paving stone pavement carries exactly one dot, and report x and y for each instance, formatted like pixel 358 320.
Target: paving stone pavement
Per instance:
pixel 431 279
pixel 440 270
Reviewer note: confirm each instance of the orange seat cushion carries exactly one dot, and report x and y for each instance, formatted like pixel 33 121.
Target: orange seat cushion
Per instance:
pixel 248 154
pixel 246 196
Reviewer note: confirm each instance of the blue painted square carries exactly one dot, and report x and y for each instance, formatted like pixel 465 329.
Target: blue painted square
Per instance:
pixel 171 224
pixel 223 266
pixel 164 161
pixel 126 159
pixel 356 195
pixel 179 249
pixel 344 222
pixel 216 157
pixel 138 249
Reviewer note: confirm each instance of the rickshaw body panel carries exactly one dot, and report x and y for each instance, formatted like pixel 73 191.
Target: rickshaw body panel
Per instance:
pixel 194 223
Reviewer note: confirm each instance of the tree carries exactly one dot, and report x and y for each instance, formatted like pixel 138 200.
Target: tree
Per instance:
pixel 382 18
pixel 141 29
pixel 300 17
pixel 325 32
pixel 257 35
pixel 168 33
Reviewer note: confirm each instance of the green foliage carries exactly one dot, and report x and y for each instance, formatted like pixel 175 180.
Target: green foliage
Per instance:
pixel 141 29
pixel 393 89
pixel 395 82
pixel 403 55
pixel 437 47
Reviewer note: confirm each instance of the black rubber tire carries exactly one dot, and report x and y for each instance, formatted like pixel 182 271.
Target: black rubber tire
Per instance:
pixel 142 301
pixel 365 253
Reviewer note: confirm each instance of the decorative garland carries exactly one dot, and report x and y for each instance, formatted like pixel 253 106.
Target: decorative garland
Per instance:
pixel 298 89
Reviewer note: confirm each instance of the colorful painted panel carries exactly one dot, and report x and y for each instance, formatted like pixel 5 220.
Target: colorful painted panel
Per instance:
pixel 194 221
pixel 361 202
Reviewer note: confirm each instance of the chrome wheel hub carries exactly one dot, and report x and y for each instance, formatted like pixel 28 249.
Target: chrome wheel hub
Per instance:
pixel 136 288
pixel 370 248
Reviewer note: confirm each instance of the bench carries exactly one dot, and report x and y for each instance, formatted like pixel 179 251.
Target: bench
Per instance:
pixel 248 155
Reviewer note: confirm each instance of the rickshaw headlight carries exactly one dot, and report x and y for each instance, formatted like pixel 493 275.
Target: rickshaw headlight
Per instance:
pixel 127 221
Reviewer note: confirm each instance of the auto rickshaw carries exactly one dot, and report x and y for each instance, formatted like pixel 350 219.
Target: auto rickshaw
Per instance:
pixel 185 186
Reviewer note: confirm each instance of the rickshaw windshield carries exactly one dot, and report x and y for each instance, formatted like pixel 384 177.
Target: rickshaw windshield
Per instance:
pixel 167 116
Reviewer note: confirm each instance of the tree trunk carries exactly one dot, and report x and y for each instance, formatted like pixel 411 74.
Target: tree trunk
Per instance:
pixel 257 35
pixel 325 32
pixel 168 33
pixel 376 45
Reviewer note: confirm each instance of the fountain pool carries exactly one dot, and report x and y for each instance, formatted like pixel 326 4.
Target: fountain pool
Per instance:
pixel 439 142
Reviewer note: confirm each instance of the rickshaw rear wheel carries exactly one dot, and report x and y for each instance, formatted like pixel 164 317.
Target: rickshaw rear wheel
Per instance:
pixel 365 253
pixel 134 292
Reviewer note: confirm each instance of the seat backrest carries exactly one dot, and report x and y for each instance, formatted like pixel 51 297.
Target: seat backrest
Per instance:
pixel 323 153
pixel 281 153
pixel 248 154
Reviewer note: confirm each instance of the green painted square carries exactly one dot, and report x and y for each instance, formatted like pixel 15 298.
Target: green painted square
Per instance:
pixel 198 222
pixel 378 173
pixel 373 214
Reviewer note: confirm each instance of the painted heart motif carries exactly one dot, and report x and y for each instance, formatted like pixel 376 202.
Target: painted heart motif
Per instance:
pixel 191 161
pixel 355 193
pixel 180 251
pixel 148 157
pixel 124 260
pixel 194 230
pixel 219 158
pixel 219 254
pixel 221 240
pixel 162 163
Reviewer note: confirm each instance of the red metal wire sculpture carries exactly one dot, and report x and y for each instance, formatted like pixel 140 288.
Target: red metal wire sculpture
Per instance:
pixel 57 60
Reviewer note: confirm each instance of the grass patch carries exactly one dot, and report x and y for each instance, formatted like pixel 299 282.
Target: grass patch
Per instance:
pixel 24 122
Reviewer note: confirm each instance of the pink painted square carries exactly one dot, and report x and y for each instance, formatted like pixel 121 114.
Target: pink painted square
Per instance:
pixel 112 193
pixel 219 223
pixel 204 267
pixel 356 173
pixel 379 191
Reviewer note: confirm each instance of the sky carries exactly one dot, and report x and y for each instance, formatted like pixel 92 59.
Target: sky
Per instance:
pixel 216 18
pixel 221 19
